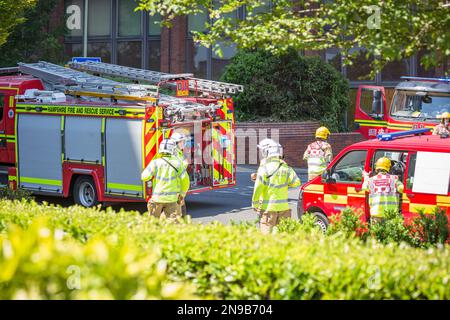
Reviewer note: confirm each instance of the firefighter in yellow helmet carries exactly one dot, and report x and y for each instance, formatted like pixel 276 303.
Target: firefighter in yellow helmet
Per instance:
pixel 384 189
pixel 443 127
pixel 270 195
pixel 318 154
pixel 170 182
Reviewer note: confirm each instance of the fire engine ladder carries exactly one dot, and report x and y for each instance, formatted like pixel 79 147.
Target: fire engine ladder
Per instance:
pixel 78 83
pixel 154 77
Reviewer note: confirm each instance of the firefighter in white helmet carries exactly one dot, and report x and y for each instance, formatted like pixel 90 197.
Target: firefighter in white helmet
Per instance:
pixel 180 140
pixel 263 144
pixel 170 182
pixel 384 189
pixel 318 154
pixel 270 196
pixel 443 128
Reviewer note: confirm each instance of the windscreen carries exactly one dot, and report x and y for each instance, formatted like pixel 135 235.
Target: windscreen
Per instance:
pixel 409 105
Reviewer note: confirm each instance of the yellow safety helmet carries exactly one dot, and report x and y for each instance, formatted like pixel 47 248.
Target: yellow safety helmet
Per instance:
pixel 322 132
pixel 383 163
pixel 445 115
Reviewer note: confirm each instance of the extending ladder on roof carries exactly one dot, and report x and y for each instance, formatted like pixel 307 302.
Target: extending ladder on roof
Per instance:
pixel 154 77
pixel 79 83
pixel 83 84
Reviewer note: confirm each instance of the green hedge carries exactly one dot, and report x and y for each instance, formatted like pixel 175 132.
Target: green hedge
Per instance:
pixel 230 262
pixel 288 88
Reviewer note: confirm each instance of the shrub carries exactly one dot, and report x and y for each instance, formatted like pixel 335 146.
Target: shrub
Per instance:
pixel 349 223
pixel 42 263
pixel 392 229
pixel 431 229
pixel 288 88
pixel 228 262
pixel 19 194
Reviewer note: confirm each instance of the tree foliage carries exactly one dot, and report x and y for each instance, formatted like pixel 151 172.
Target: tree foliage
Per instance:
pixel 12 14
pixel 34 39
pixel 390 30
pixel 288 87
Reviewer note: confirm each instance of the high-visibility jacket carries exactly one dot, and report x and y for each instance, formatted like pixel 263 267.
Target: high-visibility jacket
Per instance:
pixel 383 193
pixel 180 155
pixel 273 179
pixel 441 129
pixel 169 178
pixel 318 154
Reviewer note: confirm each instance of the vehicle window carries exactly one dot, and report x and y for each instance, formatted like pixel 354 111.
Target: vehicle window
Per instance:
pixel 371 102
pixel 349 168
pixel 398 161
pixel 2 106
pixel 410 105
pixel 411 170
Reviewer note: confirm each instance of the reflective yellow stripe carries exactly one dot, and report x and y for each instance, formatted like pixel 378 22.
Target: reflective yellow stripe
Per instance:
pixel 314 187
pixel 405 198
pixel 371 122
pixel 333 198
pixel 12 178
pixel 416 207
pixel 120 186
pixel 351 192
pixel 443 199
pixel 41 181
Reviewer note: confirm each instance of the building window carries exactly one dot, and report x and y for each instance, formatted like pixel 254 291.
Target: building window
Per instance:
pixel 392 71
pixel 154 55
pixel 333 57
pixel 100 49
pixel 129 21
pixel 154 27
pixel 361 67
pixel 74 49
pixel 129 53
pixel 99 18
pixel 218 64
pixel 197 59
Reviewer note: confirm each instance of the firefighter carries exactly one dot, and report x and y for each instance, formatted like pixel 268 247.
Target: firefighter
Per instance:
pixel 263 144
pixel 384 189
pixel 318 154
pixel 180 140
pixel 270 195
pixel 443 127
pixel 170 183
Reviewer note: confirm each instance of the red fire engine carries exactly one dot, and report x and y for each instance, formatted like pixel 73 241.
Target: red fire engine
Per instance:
pixel 421 162
pixel 66 132
pixel 417 103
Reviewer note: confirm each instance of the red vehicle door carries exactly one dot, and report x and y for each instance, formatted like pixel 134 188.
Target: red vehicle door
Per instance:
pixel 344 182
pixel 416 197
pixel 370 111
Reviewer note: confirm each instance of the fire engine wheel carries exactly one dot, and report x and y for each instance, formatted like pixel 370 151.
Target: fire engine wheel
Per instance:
pixel 321 220
pixel 84 192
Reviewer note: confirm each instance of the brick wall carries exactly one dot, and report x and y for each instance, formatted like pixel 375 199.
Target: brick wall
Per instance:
pixel 294 137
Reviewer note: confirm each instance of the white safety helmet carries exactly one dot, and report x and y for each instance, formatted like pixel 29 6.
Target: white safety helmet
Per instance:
pixel 266 143
pixel 273 151
pixel 179 137
pixel 167 146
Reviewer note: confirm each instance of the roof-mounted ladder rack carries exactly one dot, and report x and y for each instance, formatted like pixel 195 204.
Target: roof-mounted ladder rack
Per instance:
pixel 154 77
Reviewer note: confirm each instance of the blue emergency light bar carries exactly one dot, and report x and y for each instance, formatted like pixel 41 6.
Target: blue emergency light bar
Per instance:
pixel 447 80
pixel 393 135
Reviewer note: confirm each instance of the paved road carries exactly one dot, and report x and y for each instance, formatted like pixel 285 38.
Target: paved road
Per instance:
pixel 222 205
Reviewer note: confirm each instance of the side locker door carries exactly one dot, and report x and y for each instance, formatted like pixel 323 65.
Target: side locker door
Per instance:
pixel 223 155
pixel 370 110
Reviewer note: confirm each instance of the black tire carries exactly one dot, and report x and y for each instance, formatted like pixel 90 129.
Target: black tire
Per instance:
pixel 300 206
pixel 84 192
pixel 183 210
pixel 321 220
